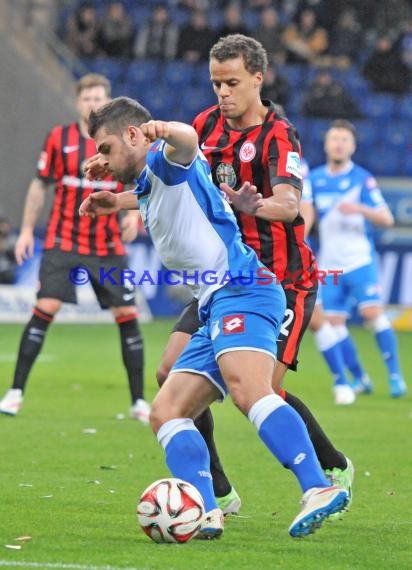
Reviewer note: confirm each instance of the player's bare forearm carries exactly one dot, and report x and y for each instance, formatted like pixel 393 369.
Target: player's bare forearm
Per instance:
pixel 381 216
pixel 33 204
pixel 283 206
pixel 182 140
pixel 307 211
pixel 104 203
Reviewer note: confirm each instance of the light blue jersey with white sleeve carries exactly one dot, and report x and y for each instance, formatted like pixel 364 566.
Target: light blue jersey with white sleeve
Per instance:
pixel 345 240
pixel 192 226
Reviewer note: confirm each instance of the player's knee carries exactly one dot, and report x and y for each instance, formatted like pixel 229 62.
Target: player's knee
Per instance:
pixel 162 373
pixel 156 416
pixel 378 323
pixel 240 399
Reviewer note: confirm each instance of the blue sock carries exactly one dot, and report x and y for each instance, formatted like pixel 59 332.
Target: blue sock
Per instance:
pixel 283 431
pixel 327 342
pixel 334 360
pixel 388 347
pixel 187 457
pixel 351 358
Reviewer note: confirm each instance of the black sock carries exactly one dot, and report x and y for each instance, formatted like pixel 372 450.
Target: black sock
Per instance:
pixel 205 425
pixel 329 457
pixel 132 353
pixel 30 345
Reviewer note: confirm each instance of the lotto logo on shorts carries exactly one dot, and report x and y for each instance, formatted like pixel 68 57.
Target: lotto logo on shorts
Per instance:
pixel 234 324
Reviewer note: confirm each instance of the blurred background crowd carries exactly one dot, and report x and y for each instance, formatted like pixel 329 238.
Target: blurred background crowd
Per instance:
pixel 328 58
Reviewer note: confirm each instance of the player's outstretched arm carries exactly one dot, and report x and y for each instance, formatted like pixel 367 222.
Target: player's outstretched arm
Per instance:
pixel 104 203
pixel 182 140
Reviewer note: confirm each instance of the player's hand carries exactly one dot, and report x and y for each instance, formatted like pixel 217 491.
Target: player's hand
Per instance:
pixel 130 226
pixel 24 247
pixel 247 199
pixel 347 208
pixel 96 167
pixel 154 130
pixel 99 204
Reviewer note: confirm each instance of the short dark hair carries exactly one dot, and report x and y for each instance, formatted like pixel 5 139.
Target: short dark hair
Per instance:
pixel 237 45
pixel 117 115
pixel 93 80
pixel 343 124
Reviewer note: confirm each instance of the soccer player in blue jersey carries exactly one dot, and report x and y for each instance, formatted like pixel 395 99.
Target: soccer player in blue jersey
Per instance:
pixel 348 203
pixel 194 230
pixel 326 338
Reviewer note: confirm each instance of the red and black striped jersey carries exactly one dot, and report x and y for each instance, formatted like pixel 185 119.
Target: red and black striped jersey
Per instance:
pixel 265 155
pixel 61 162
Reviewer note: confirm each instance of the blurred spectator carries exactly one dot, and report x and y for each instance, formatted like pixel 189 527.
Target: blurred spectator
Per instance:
pixel 389 17
pixel 8 262
pixel 232 22
pixel 191 5
pixel 158 37
pixel 305 40
pixel 260 5
pixel 325 11
pixel 405 44
pixel 196 38
pixel 269 34
pixel 275 86
pixel 81 32
pixel 347 40
pixel 327 98
pixel 116 32
pixel 385 69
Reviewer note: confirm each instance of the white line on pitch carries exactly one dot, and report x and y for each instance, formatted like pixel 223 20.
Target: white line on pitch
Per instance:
pixel 60 566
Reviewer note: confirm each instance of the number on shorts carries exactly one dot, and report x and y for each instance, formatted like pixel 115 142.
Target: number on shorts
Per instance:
pixel 287 319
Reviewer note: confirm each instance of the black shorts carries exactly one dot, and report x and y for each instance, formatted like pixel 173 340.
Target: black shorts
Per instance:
pixel 57 278
pixel 299 308
pixel 188 321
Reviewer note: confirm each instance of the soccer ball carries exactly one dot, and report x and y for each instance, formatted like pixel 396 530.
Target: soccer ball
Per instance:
pixel 170 510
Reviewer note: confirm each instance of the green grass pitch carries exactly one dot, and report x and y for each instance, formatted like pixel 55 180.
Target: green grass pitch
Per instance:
pixel 74 492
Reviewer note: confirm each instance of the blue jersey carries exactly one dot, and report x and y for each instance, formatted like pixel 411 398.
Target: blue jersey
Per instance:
pixel 345 240
pixel 191 225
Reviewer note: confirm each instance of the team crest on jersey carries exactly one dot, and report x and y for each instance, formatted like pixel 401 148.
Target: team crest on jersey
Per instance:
pixel 225 173
pixel 247 151
pixel 293 165
pixel 234 324
pixel 41 163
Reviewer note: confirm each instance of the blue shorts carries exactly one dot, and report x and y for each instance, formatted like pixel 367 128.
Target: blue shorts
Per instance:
pixel 360 287
pixel 238 317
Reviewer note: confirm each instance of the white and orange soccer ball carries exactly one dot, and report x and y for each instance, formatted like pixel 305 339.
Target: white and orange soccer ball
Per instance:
pixel 170 510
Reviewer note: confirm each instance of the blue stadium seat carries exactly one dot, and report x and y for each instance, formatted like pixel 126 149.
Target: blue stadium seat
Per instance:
pixel 195 99
pixel 144 71
pixel 295 74
pixel 179 74
pixel 160 102
pixel 111 68
pixel 398 134
pixel 294 104
pixel 405 107
pixel 384 161
pixel 379 105
pixel 316 130
pixel 368 132
pixel 202 75
pixel 355 83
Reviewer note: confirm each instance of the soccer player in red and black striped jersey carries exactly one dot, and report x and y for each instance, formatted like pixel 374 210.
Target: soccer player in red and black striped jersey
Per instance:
pixel 246 139
pixel 73 241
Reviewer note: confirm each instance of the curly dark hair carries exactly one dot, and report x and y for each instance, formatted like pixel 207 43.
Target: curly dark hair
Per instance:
pixel 237 45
